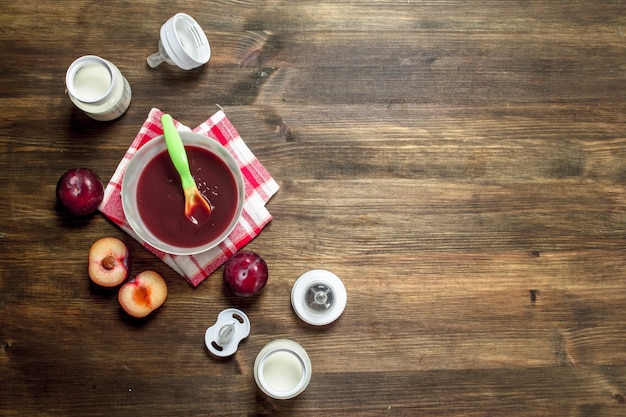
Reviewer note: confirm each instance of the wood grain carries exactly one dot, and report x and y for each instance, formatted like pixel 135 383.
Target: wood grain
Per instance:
pixel 459 164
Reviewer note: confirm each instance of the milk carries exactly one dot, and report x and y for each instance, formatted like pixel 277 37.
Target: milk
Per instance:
pixel 98 88
pixel 282 371
pixel 92 81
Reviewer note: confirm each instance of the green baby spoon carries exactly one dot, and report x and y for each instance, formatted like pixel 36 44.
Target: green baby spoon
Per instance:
pixel 197 207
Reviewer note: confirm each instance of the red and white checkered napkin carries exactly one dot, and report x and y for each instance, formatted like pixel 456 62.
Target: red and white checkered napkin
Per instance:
pixel 259 188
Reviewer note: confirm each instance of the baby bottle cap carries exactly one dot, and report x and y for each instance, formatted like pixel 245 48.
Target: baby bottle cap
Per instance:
pixel 185 42
pixel 232 326
pixel 318 297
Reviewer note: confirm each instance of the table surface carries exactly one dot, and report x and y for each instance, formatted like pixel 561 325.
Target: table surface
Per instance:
pixel 460 165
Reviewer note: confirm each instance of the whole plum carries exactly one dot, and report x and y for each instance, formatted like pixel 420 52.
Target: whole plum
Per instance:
pixel 80 191
pixel 245 274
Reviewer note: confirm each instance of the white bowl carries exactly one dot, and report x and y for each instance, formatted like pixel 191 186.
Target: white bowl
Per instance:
pixel 134 170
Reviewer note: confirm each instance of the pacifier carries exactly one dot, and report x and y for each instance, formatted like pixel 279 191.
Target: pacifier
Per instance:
pixel 232 326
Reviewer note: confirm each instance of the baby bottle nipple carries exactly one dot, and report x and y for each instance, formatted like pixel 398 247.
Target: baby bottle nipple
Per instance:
pixel 318 297
pixel 182 43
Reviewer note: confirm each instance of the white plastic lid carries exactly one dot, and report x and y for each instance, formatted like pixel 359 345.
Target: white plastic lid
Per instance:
pixel 318 297
pixel 232 326
pixel 185 42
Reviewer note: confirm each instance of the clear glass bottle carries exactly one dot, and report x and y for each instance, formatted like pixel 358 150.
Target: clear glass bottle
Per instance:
pixel 282 369
pixel 98 88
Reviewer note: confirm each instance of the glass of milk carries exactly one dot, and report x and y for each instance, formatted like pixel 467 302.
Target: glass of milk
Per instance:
pixel 282 369
pixel 98 88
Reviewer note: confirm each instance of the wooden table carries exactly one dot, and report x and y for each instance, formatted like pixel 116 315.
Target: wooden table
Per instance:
pixel 460 165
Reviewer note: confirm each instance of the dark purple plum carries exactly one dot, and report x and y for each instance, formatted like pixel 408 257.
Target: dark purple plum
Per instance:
pixel 80 191
pixel 245 274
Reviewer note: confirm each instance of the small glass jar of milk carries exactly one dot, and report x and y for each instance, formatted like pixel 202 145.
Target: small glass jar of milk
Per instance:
pixel 282 369
pixel 98 88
